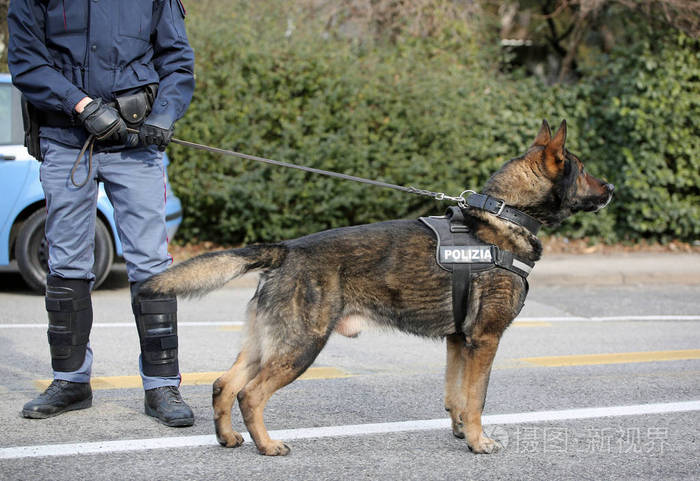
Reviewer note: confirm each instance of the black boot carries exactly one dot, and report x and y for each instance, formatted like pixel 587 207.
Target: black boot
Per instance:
pixel 59 397
pixel 166 405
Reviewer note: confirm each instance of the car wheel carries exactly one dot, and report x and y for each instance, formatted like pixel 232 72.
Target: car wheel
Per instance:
pixel 32 252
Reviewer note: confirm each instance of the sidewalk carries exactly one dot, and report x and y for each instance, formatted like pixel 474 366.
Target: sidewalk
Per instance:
pixel 596 269
pixel 617 269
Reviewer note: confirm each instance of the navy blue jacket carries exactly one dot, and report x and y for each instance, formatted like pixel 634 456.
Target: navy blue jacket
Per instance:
pixel 63 50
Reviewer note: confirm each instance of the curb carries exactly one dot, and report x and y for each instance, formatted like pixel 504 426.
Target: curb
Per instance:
pixel 618 269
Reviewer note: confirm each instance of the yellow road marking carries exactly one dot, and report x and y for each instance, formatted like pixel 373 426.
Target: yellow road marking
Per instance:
pixel 199 378
pixel 191 379
pixel 614 358
pixel 324 373
pixel 531 324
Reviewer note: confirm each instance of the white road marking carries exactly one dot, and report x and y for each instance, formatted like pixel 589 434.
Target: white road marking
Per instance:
pixel 523 319
pixel 130 324
pixel 612 318
pixel 104 447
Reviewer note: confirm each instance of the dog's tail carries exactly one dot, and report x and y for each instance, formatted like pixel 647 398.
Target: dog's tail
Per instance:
pixel 204 273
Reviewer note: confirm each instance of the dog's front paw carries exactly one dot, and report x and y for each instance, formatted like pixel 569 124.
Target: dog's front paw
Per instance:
pixel 274 448
pixel 230 439
pixel 484 445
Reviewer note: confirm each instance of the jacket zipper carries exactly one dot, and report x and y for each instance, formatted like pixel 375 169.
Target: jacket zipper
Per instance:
pixel 84 66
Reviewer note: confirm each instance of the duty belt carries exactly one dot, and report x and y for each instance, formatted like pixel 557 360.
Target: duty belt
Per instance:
pixel 461 253
pixel 133 107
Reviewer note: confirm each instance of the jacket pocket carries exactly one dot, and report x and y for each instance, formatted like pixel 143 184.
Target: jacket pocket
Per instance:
pixel 135 18
pixel 66 17
pixel 134 75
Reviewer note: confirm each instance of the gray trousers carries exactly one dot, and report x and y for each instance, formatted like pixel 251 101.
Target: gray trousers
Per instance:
pixel 134 181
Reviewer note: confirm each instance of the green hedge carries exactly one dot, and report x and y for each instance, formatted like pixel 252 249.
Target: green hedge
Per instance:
pixel 425 113
pixel 641 122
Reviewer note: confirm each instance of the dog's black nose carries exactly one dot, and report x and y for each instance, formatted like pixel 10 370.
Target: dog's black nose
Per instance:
pixel 610 187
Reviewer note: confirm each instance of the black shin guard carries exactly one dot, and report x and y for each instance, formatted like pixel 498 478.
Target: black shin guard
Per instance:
pixel 156 320
pixel 70 320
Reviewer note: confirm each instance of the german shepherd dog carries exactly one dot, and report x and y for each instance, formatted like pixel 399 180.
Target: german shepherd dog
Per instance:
pixel 385 274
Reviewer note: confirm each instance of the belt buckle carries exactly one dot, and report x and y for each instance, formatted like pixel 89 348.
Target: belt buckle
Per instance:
pixel 501 207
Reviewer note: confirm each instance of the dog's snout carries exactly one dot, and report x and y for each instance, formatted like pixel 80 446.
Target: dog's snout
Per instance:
pixel 610 188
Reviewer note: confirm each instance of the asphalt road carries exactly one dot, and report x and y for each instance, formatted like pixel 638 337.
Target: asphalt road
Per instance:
pixel 379 398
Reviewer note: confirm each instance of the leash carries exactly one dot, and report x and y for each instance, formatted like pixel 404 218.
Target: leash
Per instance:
pixel 90 142
pixel 410 189
pixel 484 202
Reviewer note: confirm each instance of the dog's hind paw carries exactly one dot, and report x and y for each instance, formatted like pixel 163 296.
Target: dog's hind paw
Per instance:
pixel 274 448
pixel 457 424
pixel 230 439
pixel 458 428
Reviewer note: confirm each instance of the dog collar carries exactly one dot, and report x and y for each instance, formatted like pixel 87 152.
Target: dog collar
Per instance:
pixel 499 208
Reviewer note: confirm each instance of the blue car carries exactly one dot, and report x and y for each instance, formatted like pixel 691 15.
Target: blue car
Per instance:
pixel 22 205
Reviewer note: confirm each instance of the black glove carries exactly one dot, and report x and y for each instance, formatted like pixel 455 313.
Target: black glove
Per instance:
pixel 104 122
pixel 156 130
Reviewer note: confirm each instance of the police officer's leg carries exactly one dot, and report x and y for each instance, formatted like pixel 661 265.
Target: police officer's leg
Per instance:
pixel 70 231
pixel 135 182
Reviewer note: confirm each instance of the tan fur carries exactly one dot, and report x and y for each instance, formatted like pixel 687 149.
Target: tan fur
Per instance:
pixel 203 274
pixel 506 235
pixel 455 402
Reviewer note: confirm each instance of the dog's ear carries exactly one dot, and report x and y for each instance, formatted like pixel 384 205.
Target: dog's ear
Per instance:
pixel 556 145
pixel 543 136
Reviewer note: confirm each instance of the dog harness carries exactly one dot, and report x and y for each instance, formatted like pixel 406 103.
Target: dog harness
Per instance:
pixel 461 253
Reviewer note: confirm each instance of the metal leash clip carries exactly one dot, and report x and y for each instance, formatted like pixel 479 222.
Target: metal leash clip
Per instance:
pixel 461 200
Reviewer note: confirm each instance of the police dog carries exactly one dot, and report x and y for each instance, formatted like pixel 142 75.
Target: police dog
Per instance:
pixel 344 280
